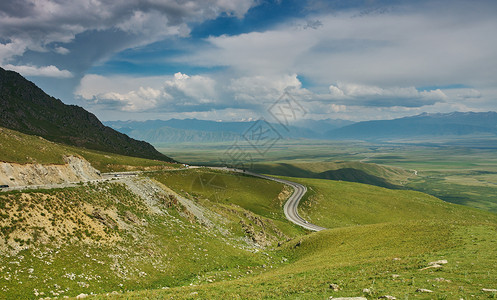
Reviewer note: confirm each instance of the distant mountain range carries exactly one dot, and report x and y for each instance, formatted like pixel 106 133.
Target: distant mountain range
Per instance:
pixel 26 108
pixel 421 126
pixel 194 130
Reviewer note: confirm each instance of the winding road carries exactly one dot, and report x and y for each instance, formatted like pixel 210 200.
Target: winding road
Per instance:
pixel 291 206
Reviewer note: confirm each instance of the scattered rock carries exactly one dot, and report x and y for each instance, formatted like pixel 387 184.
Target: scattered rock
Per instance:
pixel 334 287
pixel 438 262
pixel 104 219
pixel 424 291
pixel 81 296
pixel 348 298
pixel 395 275
pixel 366 291
pixel 396 258
pixel 440 279
pixel 434 266
pixel 388 297
pixel 489 290
pixel 131 217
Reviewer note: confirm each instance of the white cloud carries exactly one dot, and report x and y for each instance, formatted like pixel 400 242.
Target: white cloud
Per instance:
pixel 62 50
pixel 191 90
pixel 262 89
pixel 12 48
pixel 164 93
pixel 338 108
pixel 47 71
pixel 197 94
pixel 140 100
pixel 358 94
pixel 187 93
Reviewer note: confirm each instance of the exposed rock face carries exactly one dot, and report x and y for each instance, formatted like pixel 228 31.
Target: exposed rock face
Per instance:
pixel 76 169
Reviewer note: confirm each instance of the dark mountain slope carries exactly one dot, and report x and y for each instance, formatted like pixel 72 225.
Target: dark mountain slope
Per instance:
pixel 26 108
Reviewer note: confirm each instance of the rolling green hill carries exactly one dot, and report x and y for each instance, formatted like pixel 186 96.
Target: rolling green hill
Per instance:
pixel 367 173
pixel 388 244
pixel 26 108
pixel 334 204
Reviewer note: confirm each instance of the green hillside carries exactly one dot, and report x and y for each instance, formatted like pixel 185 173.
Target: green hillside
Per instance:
pixel 16 147
pixel 351 171
pixel 134 234
pixel 387 251
pixel 26 108
pixel 334 204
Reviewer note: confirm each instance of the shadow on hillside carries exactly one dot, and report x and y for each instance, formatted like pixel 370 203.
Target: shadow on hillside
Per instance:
pixel 355 175
pixel 343 174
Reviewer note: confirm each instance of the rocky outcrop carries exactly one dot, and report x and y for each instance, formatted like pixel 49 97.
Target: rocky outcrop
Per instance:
pixel 76 169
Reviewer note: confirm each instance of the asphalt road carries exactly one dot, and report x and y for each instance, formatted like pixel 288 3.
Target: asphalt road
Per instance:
pixel 291 206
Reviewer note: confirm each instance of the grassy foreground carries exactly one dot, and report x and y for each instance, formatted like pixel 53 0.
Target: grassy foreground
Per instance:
pixel 386 251
pixel 385 259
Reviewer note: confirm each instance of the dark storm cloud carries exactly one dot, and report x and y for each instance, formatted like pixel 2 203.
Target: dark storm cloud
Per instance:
pixel 33 25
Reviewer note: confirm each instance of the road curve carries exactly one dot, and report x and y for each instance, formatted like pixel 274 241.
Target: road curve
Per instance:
pixel 290 208
pixel 292 204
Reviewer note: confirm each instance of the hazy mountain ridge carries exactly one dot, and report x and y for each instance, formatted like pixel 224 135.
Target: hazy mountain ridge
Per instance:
pixel 26 108
pixel 176 135
pixel 423 125
pixel 194 130
pixel 440 124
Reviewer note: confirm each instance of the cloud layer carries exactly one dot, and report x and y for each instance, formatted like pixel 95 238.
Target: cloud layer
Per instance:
pixel 399 59
pixel 47 25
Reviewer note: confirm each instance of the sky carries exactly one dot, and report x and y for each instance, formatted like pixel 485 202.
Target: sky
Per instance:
pixel 233 59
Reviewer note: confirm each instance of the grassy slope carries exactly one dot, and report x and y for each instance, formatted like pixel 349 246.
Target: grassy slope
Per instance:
pixel 232 190
pixel 22 148
pixel 369 257
pixel 333 204
pixel 70 251
pixel 368 173
pixel 402 233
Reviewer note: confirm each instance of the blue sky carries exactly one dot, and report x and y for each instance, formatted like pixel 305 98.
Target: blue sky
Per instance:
pixel 231 59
